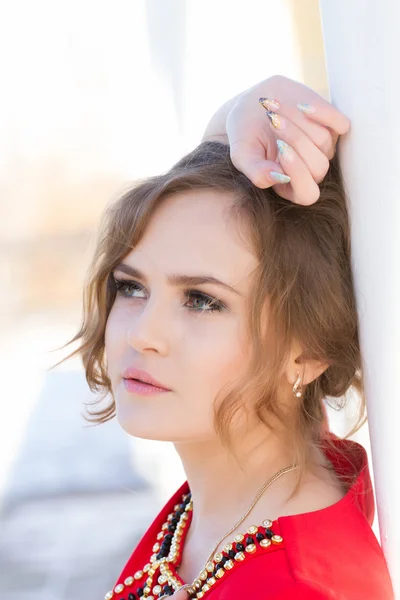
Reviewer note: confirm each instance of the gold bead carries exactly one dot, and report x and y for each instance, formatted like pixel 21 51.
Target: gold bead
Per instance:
pixel 211 581
pixel 119 588
pixel 240 556
pixel 203 575
pixel 265 543
pixel 164 527
pixel 210 567
pixel 267 523
pixel 197 584
pixel 109 595
pixel 200 594
pixel 229 565
pixel 228 547
pixel 157 590
pixel 153 558
pixel 146 567
pixel 160 535
pixel 206 588
pixel 156 547
pixel 218 557
pixel 162 579
pixel 138 575
pixel 252 529
pixel 146 590
pixel 129 581
pixel 251 548
pixel 276 539
pixel 239 538
pixel 220 573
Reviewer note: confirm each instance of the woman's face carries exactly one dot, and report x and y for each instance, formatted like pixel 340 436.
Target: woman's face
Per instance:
pixel 168 328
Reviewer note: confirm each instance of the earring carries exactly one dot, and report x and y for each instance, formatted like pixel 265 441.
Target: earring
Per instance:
pixel 297 391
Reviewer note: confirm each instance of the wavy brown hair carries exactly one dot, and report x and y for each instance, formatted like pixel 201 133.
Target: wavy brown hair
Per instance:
pixel 304 272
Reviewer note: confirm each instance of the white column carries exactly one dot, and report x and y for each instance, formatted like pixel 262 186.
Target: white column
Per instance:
pixel 362 43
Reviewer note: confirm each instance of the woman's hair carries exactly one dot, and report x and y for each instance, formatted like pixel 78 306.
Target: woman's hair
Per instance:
pixel 303 277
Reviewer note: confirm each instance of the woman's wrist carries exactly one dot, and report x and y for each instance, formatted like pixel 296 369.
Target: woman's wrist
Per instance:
pixel 216 128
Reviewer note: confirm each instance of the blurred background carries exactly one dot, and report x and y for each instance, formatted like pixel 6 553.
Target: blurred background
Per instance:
pixel 94 96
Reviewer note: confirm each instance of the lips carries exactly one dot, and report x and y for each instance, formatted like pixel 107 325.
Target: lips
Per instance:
pixel 143 377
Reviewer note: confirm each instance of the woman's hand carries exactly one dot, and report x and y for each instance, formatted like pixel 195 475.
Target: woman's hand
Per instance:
pixel 300 147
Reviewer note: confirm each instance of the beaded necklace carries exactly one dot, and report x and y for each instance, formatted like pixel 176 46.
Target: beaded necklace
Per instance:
pixel 158 579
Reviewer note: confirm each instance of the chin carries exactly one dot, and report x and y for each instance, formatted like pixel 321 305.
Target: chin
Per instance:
pixel 141 422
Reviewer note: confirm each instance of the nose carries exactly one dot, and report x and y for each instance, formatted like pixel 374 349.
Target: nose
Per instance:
pixel 147 331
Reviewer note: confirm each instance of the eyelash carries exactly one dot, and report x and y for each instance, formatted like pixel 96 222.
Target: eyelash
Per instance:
pixel 122 286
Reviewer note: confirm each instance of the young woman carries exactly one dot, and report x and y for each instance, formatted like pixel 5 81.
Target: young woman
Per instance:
pixel 220 315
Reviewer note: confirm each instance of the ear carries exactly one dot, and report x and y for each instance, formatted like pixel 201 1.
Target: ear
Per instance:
pixel 308 368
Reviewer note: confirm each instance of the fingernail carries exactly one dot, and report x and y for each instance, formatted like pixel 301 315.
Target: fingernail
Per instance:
pixel 307 108
pixel 279 177
pixel 275 119
pixel 269 104
pixel 285 150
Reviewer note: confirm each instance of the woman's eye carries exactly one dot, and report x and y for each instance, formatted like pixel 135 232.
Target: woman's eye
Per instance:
pixel 196 301
pixel 127 288
pixel 202 302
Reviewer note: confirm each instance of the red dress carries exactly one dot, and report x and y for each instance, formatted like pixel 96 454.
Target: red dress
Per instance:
pixel 330 553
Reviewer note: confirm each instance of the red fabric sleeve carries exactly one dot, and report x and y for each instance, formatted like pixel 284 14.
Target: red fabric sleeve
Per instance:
pixel 306 590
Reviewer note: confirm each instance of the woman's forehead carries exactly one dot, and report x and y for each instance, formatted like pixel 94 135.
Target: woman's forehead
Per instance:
pixel 195 232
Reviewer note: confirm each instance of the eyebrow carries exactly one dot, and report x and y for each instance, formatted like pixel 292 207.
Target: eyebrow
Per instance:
pixel 178 280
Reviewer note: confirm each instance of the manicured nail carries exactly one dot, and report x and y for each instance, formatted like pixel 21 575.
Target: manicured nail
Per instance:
pixel 307 108
pixel 275 119
pixel 279 177
pixel 269 104
pixel 285 150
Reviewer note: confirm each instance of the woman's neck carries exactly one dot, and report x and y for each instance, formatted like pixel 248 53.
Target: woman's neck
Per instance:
pixel 222 490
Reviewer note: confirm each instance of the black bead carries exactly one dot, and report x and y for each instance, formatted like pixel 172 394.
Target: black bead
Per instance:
pixel 168 536
pixel 249 540
pixel 140 592
pixel 182 506
pixel 171 527
pixel 232 553
pixel 131 597
pixel 260 536
pixel 240 547
pixel 224 559
pixel 168 589
pixel 219 565
pixel 269 533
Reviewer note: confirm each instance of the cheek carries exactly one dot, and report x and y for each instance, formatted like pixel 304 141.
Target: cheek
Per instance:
pixel 221 358
pixel 114 340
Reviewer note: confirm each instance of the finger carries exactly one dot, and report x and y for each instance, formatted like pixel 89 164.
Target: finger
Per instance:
pixel 249 158
pixel 326 114
pixel 316 160
pixel 303 189
pixel 298 128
